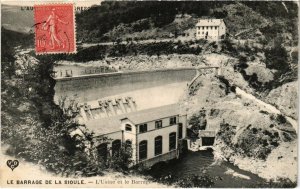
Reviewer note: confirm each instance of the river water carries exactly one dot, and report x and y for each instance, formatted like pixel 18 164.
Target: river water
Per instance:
pixel 224 173
pixel 155 89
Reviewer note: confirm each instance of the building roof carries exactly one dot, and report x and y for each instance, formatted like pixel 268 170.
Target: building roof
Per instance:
pixel 104 125
pixel 113 124
pixel 209 22
pixel 153 114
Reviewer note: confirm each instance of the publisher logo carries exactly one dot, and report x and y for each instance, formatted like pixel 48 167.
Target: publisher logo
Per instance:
pixel 12 164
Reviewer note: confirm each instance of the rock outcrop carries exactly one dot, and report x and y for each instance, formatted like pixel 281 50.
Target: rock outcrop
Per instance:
pixel 247 133
pixel 285 98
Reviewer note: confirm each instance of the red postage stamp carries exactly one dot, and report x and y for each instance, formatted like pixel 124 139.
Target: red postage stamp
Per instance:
pixel 54 28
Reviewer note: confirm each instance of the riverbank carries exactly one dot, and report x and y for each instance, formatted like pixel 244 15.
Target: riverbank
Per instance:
pixel 206 165
pixel 281 163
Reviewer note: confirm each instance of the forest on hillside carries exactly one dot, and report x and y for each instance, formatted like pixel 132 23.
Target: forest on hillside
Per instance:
pixel 95 22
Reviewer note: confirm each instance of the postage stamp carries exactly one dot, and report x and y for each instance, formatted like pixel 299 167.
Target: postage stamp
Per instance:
pixel 54 28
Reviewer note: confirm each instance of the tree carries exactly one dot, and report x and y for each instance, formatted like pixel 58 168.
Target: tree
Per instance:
pixel 121 160
pixel 277 58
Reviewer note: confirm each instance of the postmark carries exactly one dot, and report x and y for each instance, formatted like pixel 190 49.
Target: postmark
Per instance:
pixel 54 28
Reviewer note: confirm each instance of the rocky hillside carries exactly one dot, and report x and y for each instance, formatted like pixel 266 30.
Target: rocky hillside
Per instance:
pixel 285 98
pixel 248 133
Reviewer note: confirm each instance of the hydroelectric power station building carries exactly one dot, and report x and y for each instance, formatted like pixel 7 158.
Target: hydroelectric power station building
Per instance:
pixel 153 134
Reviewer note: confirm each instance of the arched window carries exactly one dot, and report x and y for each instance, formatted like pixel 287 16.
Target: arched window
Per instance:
pixel 128 127
pixel 102 151
pixel 116 145
pixel 143 150
pixel 172 141
pixel 158 145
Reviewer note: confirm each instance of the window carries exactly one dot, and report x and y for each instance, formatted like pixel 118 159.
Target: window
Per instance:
pixel 158 145
pixel 102 151
pixel 116 145
pixel 143 128
pixel 180 130
pixel 198 28
pixel 207 27
pixel 202 33
pixel 216 27
pixel 172 120
pixel 143 150
pixel 158 124
pixel 203 27
pixel 128 127
pixel 211 27
pixel 172 141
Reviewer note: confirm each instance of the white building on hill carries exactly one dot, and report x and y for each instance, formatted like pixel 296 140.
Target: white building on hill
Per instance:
pixel 211 29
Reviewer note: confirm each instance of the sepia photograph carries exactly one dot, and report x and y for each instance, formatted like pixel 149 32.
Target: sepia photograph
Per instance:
pixel 149 94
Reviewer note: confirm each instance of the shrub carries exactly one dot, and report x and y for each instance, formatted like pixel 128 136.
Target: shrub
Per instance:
pixel 276 58
pixel 279 183
pixel 196 181
pixel 281 119
pixel 228 46
pixel 226 133
pixel 189 181
pixel 198 121
pixel 264 112
pixel 121 160
pixel 227 84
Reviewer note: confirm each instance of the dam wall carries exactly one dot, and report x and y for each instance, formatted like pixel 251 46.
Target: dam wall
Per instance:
pixel 95 86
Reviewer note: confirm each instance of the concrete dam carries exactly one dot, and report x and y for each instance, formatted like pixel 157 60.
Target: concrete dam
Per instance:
pixel 96 86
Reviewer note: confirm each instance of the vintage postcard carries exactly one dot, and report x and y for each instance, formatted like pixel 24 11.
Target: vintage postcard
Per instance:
pixel 149 94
